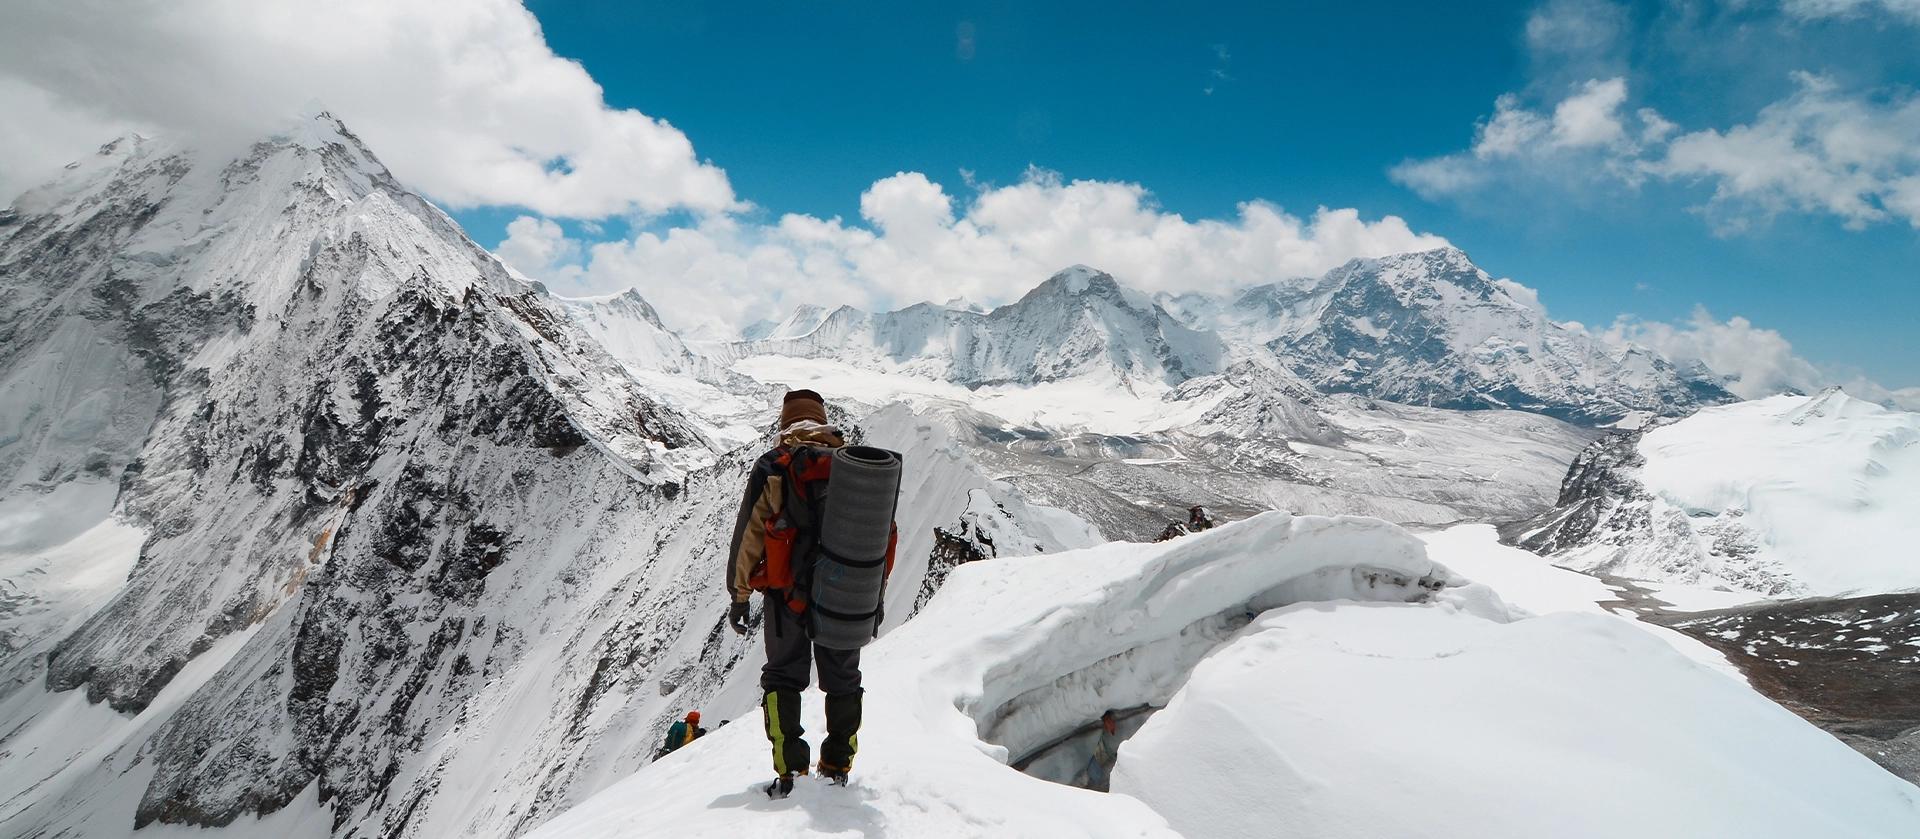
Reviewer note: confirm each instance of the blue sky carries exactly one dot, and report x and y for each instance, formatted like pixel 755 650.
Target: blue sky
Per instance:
pixel 806 104
pixel 1738 179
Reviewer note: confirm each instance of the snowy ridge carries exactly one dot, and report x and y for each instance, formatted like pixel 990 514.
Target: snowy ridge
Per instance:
pixel 1786 496
pixel 1213 627
pixel 358 473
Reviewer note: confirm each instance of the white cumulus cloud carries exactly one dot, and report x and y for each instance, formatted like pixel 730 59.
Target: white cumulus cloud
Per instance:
pixel 1591 116
pixel 1755 362
pixel 918 245
pixel 1820 150
pixel 463 99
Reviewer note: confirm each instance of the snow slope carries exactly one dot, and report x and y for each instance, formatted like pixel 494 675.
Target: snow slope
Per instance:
pixel 1790 495
pixel 1287 625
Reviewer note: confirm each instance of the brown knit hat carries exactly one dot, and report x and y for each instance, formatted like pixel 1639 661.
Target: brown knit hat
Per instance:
pixel 802 405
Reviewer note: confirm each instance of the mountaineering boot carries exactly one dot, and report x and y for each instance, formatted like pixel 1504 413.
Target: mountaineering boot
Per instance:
pixel 780 710
pixel 843 740
pixel 781 786
pixel 835 775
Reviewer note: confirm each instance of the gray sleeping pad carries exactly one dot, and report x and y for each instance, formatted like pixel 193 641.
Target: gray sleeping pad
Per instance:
pixel 849 574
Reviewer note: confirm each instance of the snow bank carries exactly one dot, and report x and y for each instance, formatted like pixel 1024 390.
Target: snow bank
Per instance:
pixel 1819 489
pixel 1391 720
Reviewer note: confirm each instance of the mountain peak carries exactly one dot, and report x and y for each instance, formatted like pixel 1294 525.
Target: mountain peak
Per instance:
pixel 1083 282
pixel 1079 278
pixel 1445 262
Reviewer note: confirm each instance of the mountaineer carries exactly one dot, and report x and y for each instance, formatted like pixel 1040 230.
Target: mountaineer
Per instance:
pixel 681 733
pixel 819 560
pixel 1106 750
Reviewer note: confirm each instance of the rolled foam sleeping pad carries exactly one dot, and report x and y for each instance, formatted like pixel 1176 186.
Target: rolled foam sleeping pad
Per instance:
pixel 849 574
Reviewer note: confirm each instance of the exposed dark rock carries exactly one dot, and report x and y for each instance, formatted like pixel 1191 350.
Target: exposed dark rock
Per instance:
pixel 1849 665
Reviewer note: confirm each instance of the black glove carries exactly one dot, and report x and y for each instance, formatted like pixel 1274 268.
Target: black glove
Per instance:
pixel 737 617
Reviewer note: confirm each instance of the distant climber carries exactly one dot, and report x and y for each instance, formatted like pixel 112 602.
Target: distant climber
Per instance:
pixel 681 733
pixel 813 620
pixel 1106 750
pixel 1199 519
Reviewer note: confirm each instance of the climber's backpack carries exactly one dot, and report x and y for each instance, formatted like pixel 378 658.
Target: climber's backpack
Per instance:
pixel 793 533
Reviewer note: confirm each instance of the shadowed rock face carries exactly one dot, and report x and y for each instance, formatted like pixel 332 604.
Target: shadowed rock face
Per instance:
pixel 1600 499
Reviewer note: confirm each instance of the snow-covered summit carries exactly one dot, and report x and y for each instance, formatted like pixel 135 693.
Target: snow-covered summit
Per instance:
pixel 1077 324
pixel 1077 281
pixel 1432 328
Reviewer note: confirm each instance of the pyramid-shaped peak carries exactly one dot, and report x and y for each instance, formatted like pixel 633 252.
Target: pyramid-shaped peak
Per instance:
pixel 1078 279
pixel 1084 282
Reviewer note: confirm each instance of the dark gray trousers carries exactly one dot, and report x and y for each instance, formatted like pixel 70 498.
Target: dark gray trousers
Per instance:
pixel 791 654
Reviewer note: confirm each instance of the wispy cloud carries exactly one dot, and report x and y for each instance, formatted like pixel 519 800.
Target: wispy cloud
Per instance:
pixel 1826 144
pixel 1908 10
pixel 1218 75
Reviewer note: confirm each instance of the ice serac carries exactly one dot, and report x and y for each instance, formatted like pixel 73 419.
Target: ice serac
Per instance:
pixel 1785 496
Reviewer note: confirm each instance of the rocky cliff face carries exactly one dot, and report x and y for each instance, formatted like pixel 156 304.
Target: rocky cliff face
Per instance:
pixel 376 473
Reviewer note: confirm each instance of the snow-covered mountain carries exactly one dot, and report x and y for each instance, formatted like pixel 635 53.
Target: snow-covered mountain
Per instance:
pixel 1079 324
pixel 1791 495
pixel 309 502
pixel 1431 328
